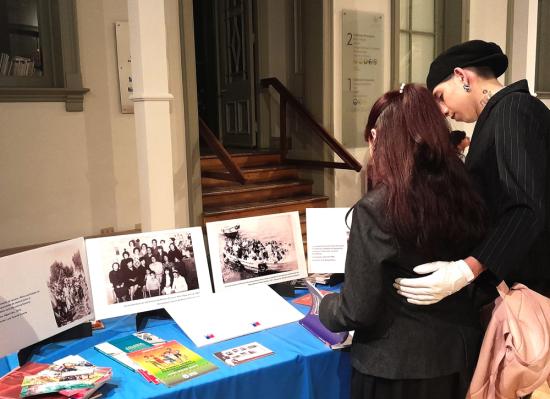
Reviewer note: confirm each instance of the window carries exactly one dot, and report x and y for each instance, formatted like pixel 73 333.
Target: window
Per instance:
pixel 39 53
pixel 542 74
pixel 422 29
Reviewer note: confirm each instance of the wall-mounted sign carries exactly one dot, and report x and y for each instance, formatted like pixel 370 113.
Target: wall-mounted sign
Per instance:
pixel 124 63
pixel 362 71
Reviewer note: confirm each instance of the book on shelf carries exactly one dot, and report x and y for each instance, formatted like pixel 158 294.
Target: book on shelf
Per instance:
pixel 172 363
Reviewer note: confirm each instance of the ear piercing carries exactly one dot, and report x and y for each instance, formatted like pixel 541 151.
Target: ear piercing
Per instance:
pixel 466 87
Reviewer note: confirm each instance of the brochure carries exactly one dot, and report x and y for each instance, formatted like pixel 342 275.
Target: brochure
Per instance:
pixel 118 349
pixel 172 362
pixel 69 373
pixel 242 354
pixel 10 384
pixel 313 324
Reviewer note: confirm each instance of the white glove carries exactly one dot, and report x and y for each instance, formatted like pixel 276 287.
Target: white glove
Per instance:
pixel 445 279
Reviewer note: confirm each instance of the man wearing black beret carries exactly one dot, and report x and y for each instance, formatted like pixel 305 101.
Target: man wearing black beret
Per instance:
pixel 509 164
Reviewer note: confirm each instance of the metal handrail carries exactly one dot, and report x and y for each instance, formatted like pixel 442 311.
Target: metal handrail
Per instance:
pixel 286 97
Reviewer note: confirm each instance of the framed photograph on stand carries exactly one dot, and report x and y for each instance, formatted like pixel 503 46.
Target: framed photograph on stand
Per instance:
pixel 262 249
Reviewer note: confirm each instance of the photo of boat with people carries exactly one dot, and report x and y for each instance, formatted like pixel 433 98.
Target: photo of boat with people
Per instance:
pixel 248 249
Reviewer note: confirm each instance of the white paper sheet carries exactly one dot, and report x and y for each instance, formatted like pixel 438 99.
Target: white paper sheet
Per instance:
pixel 43 292
pixel 232 313
pixel 327 239
pixel 262 249
pixel 104 252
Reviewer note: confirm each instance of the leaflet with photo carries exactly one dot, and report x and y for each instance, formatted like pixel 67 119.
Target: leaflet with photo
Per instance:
pixel 243 353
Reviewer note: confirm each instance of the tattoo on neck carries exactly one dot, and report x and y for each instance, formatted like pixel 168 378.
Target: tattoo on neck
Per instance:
pixel 487 94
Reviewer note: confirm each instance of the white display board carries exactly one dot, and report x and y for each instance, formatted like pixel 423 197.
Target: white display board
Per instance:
pixel 362 71
pixel 183 254
pixel 327 239
pixel 262 249
pixel 232 313
pixel 42 293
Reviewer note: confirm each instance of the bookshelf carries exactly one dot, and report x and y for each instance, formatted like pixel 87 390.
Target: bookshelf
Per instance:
pixel 39 52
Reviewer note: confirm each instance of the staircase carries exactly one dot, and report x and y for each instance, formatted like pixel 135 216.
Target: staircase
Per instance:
pixel 271 187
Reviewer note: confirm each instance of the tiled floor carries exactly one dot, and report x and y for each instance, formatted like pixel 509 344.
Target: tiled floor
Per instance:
pixel 542 393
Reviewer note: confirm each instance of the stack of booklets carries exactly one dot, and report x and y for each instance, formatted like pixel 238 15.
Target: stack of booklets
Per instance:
pixel 119 348
pixel 70 377
pixel 155 359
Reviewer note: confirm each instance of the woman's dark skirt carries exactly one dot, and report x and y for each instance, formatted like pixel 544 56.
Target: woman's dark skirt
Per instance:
pixel 454 386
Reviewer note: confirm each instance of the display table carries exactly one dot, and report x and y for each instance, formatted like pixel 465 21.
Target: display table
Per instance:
pixel 301 366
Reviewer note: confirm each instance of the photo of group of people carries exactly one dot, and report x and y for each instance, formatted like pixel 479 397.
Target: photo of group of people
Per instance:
pixel 248 250
pixel 149 267
pixel 68 289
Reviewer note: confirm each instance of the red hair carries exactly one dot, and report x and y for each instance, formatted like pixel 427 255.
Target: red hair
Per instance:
pixel 430 199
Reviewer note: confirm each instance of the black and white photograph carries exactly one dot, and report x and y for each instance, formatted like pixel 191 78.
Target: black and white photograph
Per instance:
pixel 46 291
pixel 269 248
pixel 69 291
pixel 140 268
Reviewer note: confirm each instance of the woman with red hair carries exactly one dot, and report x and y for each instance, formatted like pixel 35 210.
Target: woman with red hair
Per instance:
pixel 421 208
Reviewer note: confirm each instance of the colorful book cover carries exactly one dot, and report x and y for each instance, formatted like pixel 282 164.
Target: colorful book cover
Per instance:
pixel 244 353
pixel 69 373
pixel 10 384
pixel 118 349
pixel 172 362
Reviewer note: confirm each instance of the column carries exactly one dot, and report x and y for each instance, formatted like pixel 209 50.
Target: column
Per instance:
pixel 152 113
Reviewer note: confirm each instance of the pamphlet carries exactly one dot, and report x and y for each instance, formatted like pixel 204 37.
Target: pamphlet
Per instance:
pixel 118 349
pixel 313 324
pixel 244 353
pixel 69 373
pixel 10 384
pixel 171 362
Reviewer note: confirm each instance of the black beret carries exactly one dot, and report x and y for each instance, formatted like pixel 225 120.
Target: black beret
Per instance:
pixel 472 53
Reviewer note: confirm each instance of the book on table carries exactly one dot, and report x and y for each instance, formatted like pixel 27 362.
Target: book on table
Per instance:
pixel 171 362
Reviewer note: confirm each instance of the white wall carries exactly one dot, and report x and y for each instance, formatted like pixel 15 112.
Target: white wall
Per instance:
pixel 348 184
pixel 68 174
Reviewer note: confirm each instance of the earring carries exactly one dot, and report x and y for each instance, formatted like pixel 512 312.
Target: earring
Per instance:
pixel 466 87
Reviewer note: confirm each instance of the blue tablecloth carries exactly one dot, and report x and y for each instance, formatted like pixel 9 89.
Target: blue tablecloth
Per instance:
pixel 302 366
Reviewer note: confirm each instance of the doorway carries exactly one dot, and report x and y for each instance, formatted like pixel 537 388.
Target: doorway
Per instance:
pixel 225 64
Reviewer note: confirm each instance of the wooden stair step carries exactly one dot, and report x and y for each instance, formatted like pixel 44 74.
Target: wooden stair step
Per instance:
pixel 227 195
pixel 255 175
pixel 299 203
pixel 244 160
